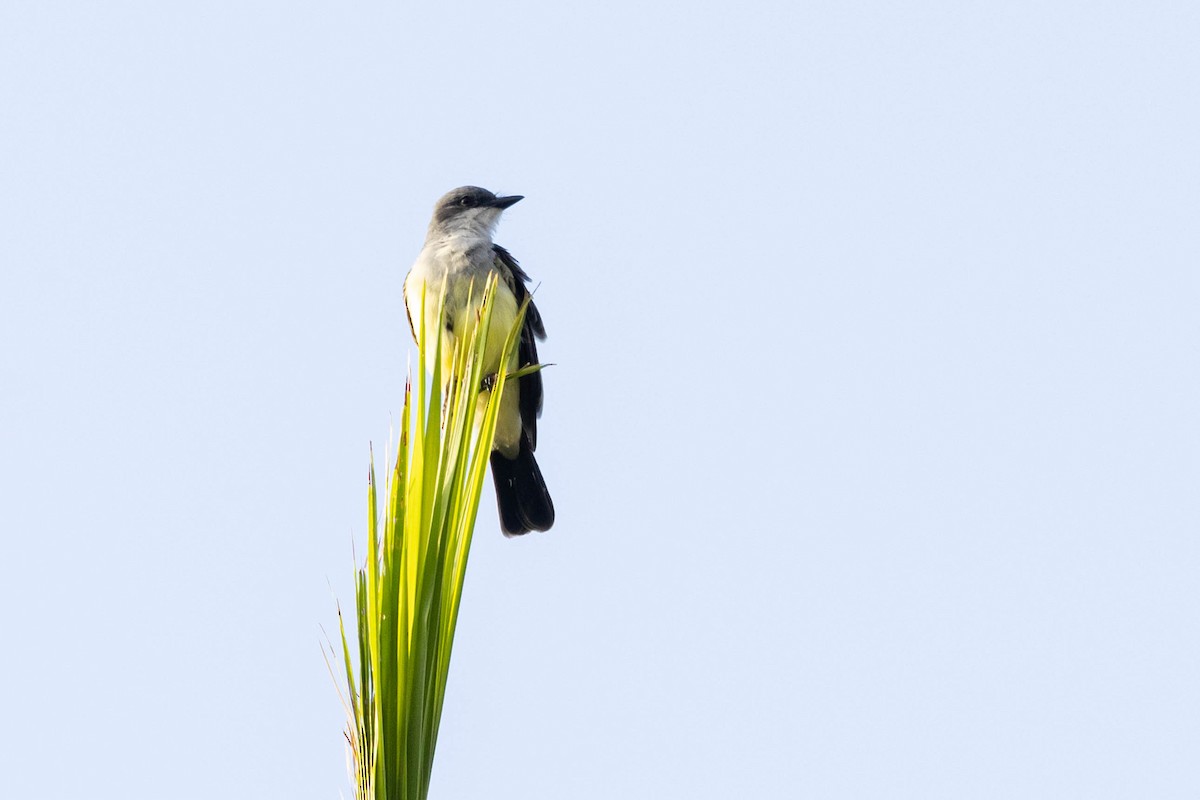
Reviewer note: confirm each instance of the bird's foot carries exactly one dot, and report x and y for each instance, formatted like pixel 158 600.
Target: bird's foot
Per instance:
pixel 488 382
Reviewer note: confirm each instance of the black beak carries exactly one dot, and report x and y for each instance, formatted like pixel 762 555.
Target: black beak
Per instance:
pixel 505 202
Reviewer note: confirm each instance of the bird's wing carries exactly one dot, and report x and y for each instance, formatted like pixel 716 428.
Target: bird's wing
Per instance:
pixel 531 331
pixel 409 302
pixel 408 313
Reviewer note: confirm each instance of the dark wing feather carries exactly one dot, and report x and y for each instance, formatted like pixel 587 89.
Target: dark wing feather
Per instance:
pixel 408 313
pixel 533 329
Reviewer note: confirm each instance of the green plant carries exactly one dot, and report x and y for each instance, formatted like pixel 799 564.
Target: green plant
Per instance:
pixel 407 595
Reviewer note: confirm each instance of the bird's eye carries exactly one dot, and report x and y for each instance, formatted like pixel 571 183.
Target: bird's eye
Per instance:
pixel 466 201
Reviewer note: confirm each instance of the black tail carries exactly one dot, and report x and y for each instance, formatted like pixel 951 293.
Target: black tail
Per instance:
pixel 521 493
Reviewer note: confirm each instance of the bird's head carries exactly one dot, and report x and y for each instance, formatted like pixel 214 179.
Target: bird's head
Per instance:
pixel 469 209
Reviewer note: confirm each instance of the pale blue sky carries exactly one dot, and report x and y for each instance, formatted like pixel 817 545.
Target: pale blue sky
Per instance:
pixel 873 432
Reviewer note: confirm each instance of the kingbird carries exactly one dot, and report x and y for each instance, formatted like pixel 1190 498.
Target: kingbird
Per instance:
pixel 459 251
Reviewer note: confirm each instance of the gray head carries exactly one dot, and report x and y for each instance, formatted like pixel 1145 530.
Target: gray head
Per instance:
pixel 469 209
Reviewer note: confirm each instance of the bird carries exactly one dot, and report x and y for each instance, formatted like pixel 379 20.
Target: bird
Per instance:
pixel 459 251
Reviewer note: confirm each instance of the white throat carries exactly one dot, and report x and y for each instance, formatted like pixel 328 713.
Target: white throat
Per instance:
pixel 476 224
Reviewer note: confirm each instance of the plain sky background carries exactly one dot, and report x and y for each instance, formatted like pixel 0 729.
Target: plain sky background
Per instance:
pixel 873 432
